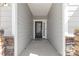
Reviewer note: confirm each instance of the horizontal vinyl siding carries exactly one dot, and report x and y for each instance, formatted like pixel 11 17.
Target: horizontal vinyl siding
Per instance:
pixel 24 24
pixel 73 15
pixel 6 19
pixel 54 27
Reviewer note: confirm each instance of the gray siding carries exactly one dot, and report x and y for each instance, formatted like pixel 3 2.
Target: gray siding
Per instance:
pixel 6 19
pixel 55 30
pixel 24 27
pixel 73 15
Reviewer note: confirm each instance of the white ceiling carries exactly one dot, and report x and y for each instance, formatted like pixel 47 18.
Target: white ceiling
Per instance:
pixel 39 9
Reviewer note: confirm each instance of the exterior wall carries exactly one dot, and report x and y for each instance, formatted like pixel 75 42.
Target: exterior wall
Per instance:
pixel 55 27
pixel 73 18
pixel 6 19
pixel 24 27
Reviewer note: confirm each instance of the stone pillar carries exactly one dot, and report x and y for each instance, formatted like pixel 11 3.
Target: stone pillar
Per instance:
pixel 9 46
pixel 76 46
pixel 1 43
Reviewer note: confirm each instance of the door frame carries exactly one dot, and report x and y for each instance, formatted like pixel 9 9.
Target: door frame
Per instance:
pixel 43 21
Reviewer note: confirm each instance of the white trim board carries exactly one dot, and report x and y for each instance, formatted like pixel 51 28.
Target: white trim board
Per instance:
pixel 14 26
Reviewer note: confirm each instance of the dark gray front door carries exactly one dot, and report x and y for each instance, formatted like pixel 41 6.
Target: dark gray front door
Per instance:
pixel 38 29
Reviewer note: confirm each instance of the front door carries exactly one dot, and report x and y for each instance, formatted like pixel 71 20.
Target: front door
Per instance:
pixel 38 29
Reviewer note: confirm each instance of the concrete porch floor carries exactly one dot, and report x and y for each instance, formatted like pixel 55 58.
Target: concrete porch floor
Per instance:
pixel 40 48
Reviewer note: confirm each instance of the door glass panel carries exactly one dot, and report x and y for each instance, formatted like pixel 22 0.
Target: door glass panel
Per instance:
pixel 38 27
